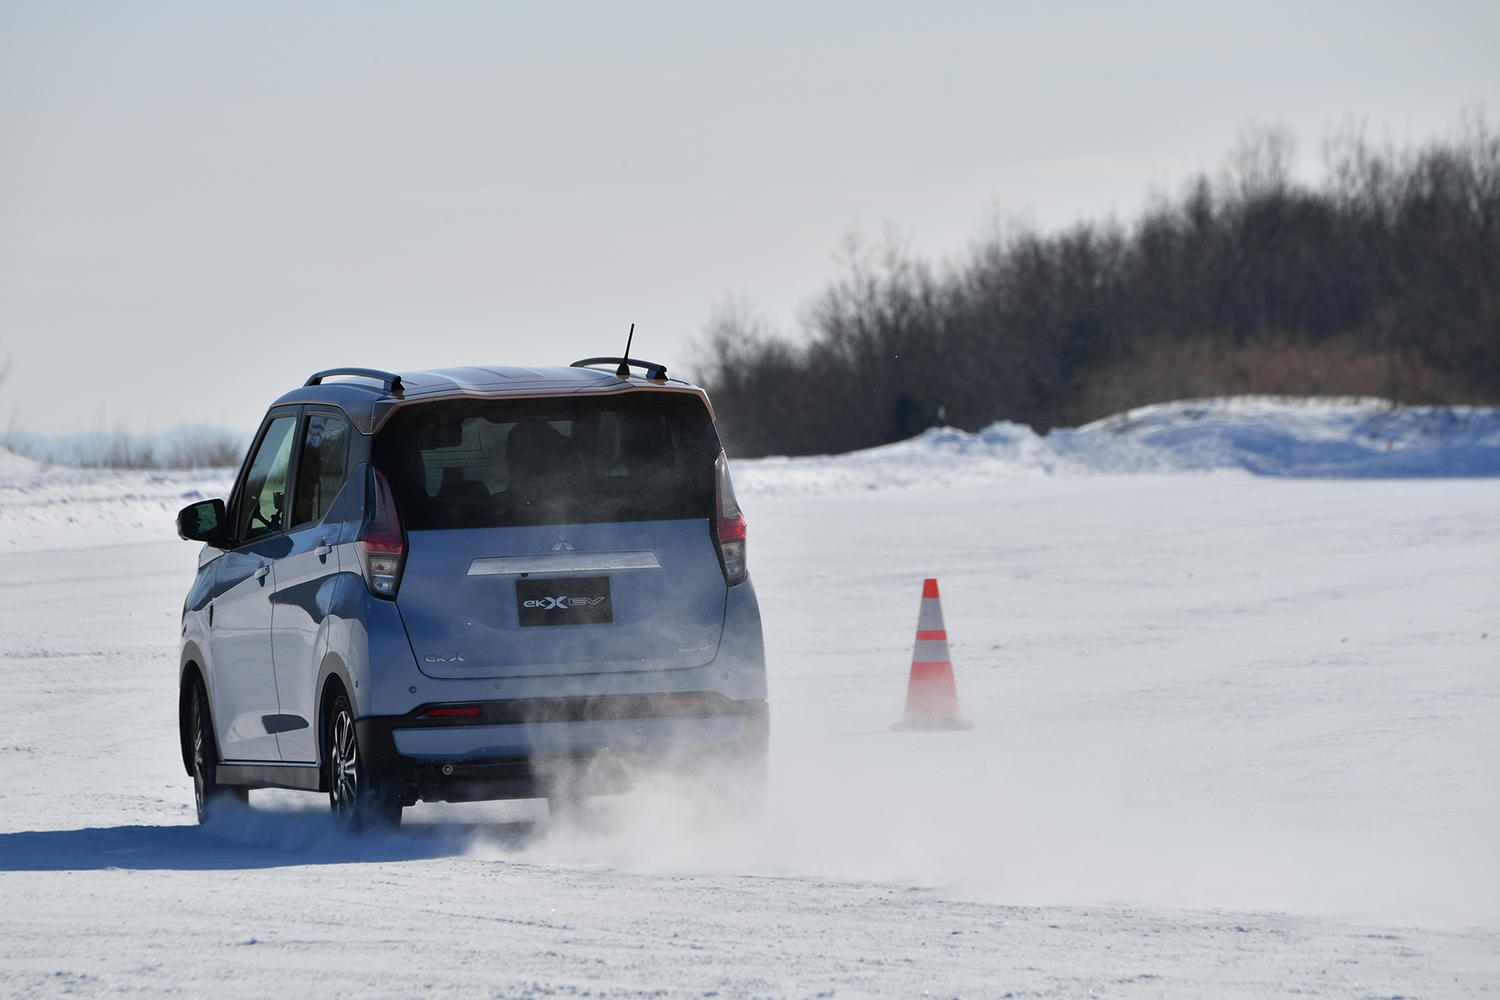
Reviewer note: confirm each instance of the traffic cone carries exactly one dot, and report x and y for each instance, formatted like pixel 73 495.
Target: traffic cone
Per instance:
pixel 931 695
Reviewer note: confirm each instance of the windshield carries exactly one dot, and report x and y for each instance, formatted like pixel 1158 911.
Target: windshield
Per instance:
pixel 491 463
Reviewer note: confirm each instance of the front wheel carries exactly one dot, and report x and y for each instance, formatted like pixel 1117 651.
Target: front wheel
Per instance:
pixel 354 791
pixel 207 792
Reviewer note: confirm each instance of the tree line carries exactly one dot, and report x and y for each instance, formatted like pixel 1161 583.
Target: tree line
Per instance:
pixel 1382 279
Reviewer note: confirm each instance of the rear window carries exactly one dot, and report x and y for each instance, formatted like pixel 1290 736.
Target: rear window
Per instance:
pixel 493 463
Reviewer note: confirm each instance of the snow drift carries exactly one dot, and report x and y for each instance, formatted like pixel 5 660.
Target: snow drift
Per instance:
pixel 1360 438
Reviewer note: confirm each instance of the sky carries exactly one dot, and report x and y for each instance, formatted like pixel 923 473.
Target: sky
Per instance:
pixel 203 203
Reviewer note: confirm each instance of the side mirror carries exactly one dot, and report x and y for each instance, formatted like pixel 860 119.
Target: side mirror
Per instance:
pixel 203 521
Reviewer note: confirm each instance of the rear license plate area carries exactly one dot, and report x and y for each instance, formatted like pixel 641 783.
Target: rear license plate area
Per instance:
pixel 579 600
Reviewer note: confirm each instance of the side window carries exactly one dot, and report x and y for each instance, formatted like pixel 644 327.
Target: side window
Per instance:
pixel 260 510
pixel 322 468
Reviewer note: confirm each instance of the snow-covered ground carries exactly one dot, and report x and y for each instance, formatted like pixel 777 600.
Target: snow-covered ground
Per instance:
pixel 1234 735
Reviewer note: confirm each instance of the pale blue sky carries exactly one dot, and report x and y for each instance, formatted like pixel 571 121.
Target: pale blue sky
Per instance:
pixel 201 203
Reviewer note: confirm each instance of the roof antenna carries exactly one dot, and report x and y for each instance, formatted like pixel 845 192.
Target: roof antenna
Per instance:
pixel 624 370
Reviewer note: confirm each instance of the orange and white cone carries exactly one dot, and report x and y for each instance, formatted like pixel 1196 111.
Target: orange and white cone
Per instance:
pixel 931 694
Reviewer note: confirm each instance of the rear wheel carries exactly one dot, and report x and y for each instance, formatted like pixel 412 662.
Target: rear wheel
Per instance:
pixel 354 789
pixel 207 792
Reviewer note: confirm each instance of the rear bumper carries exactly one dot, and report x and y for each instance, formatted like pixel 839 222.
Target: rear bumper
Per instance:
pixel 553 739
pixel 520 749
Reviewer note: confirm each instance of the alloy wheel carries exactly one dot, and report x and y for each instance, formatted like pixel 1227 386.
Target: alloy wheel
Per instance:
pixel 343 761
pixel 200 758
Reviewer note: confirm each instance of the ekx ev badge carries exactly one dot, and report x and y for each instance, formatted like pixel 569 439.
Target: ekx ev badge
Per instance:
pixel 573 601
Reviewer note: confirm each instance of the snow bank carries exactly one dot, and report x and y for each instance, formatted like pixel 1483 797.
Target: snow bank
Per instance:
pixel 1341 439
pixel 56 507
pixel 1359 438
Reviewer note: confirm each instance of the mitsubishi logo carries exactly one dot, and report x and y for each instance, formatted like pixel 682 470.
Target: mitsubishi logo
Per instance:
pixel 562 544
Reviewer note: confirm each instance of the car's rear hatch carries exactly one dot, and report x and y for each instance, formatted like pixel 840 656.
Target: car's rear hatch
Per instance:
pixel 550 536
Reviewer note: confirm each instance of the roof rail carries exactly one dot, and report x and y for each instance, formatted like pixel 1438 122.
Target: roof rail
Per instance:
pixel 654 370
pixel 392 382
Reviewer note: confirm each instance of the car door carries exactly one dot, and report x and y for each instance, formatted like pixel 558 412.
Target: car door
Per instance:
pixel 243 683
pixel 304 580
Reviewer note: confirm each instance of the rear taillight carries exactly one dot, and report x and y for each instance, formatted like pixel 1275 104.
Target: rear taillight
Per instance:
pixel 729 525
pixel 381 544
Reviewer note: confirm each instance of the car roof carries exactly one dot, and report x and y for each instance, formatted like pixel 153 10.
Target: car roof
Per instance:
pixel 370 396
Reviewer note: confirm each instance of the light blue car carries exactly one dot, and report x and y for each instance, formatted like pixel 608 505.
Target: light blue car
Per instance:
pixel 474 583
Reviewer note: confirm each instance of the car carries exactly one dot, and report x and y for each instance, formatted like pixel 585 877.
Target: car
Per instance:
pixel 471 584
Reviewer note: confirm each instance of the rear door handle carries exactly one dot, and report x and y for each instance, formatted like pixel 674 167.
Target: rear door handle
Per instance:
pixel 261 571
pixel 323 549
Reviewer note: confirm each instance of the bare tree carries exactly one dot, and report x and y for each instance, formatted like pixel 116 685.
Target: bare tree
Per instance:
pixel 1262 160
pixel 1386 278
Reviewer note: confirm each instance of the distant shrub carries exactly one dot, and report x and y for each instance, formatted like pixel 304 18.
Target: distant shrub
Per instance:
pixel 201 448
pixel 1168 368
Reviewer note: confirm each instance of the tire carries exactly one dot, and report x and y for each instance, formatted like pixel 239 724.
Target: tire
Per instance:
pixel 207 792
pixel 354 788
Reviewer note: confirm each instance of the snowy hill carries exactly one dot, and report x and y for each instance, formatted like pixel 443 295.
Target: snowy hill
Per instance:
pixel 1314 438
pixel 1261 435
